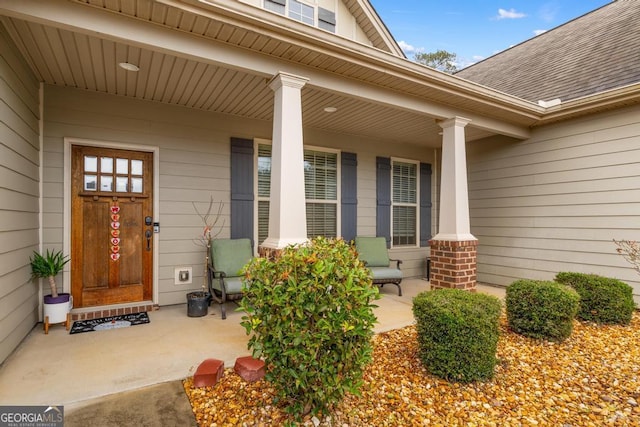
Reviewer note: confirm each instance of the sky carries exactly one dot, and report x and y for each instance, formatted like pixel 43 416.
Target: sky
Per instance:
pixel 474 29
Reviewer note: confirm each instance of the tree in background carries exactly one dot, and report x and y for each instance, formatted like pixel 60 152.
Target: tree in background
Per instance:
pixel 441 60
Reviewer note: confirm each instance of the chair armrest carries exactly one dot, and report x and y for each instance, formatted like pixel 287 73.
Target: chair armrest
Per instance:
pixel 220 274
pixel 397 261
pixel 212 276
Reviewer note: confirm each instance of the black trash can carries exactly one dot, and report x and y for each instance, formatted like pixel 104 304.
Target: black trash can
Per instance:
pixel 197 304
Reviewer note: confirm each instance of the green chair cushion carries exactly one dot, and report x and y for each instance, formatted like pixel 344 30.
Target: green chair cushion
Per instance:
pixel 230 255
pixel 234 285
pixel 386 273
pixel 373 250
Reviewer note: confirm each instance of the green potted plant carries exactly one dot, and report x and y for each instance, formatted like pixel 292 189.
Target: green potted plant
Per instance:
pixel 57 306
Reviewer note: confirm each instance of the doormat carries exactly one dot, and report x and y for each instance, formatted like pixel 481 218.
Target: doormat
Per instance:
pixel 111 322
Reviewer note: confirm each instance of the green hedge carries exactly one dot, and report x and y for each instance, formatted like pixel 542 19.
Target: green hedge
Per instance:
pixel 602 299
pixel 310 316
pixel 541 309
pixel 458 333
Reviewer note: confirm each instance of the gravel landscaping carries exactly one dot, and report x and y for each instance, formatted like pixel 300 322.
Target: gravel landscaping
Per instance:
pixel 591 379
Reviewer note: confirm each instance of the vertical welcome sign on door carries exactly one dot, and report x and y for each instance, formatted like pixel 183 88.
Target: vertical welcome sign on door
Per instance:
pixel 115 232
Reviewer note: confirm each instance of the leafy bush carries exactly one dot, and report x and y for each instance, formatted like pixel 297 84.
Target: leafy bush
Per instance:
pixel 458 333
pixel 311 315
pixel 541 309
pixel 602 299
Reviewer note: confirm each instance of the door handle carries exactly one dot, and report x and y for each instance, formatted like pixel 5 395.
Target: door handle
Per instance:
pixel 147 234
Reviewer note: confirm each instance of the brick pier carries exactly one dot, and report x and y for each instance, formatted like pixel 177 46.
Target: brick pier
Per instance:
pixel 269 253
pixel 453 264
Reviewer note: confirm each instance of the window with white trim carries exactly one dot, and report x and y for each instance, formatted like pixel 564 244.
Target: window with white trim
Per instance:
pixel 264 183
pixel 321 177
pixel 304 12
pixel 404 202
pixel 301 12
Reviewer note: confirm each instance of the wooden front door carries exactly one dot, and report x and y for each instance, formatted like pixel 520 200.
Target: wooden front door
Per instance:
pixel 111 226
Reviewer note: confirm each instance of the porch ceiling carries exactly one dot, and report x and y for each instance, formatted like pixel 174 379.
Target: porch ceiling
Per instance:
pixel 62 55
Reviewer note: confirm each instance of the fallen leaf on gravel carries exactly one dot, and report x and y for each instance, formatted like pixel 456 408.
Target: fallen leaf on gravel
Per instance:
pixel 591 379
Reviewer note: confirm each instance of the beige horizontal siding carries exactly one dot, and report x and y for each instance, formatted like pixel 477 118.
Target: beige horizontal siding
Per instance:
pixel 19 177
pixel 556 201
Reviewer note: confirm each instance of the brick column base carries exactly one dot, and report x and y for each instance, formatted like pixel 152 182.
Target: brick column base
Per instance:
pixel 453 264
pixel 269 253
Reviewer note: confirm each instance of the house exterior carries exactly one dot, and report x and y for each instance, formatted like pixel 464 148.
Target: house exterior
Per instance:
pixel 556 200
pixel 302 118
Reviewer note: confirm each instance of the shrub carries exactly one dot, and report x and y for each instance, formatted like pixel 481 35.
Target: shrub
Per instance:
pixel 458 333
pixel 602 299
pixel 311 315
pixel 541 309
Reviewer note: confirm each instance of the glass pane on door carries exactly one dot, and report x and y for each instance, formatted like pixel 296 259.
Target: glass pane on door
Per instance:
pixel 106 183
pixel 90 182
pixel 136 167
pixel 121 184
pixel 122 166
pixel 106 165
pixel 90 164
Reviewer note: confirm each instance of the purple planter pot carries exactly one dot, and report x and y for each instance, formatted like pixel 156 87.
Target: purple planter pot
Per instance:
pixel 48 299
pixel 55 310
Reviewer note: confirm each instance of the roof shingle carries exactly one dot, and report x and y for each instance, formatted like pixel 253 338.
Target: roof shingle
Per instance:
pixel 596 52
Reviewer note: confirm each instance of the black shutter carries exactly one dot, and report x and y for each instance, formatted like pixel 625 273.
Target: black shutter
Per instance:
pixel 349 191
pixel 383 198
pixel 327 16
pixel 242 188
pixel 425 204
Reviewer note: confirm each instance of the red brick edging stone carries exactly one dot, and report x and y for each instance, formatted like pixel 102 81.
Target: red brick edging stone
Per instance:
pixel 208 373
pixel 211 371
pixel 249 369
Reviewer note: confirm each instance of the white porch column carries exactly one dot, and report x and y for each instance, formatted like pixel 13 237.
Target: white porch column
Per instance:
pixel 287 211
pixel 454 193
pixel 454 249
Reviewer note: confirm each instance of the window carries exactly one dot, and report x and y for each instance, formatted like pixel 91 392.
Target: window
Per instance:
pixel 99 174
pixel 404 201
pixel 321 191
pixel 303 12
pixel 264 181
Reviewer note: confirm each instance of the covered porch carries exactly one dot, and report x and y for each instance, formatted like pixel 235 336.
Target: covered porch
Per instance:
pixel 205 77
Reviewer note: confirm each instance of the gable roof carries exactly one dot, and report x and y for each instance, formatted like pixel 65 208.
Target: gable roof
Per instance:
pixel 594 53
pixel 375 29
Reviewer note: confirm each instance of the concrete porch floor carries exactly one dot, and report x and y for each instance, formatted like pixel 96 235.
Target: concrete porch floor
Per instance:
pixel 74 370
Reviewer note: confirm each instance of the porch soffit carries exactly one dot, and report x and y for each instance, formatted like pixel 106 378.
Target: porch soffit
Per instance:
pixel 58 54
pixel 302 44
